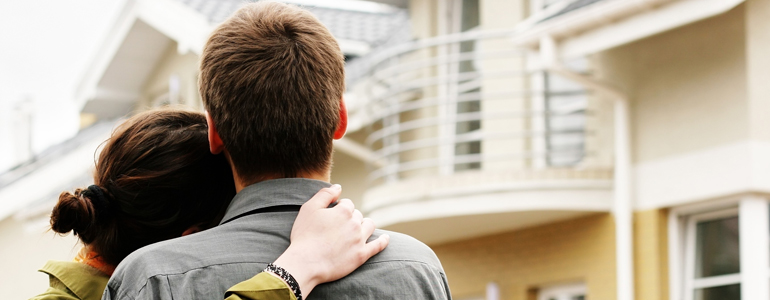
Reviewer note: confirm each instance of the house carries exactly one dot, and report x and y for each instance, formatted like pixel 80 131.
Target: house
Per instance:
pixel 586 149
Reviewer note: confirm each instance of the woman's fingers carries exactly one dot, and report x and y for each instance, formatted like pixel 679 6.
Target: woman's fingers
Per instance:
pixel 346 205
pixel 336 236
pixel 358 217
pixel 324 197
pixel 367 228
pixel 376 246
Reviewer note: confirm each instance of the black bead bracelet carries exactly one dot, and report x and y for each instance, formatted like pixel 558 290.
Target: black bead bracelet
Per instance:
pixel 281 272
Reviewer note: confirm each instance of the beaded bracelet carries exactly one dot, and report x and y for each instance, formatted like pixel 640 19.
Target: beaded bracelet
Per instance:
pixel 281 272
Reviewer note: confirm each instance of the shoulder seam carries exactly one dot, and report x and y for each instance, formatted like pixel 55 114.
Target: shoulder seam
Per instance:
pixel 404 260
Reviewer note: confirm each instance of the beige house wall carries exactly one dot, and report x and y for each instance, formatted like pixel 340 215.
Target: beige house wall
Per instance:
pixel 495 15
pixel 687 86
pixel 520 261
pixel 350 172
pixel 184 67
pixel 571 251
pixel 27 246
pixel 423 18
pixel 758 67
pixel 651 254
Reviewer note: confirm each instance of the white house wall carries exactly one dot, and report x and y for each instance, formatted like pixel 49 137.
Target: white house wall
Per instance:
pixel 26 248
pixel 687 87
pixel 26 190
pixel 758 68
pixel 120 84
pixel 182 66
pixel 696 130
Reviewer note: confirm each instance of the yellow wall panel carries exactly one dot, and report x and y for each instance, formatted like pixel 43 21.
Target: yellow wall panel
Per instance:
pixel 520 261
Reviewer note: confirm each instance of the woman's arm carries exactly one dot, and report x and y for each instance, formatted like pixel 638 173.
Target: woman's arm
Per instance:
pixel 326 244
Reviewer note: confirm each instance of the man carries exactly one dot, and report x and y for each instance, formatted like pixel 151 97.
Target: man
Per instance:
pixel 272 78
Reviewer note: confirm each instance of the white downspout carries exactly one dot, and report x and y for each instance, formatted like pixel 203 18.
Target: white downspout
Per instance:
pixel 622 209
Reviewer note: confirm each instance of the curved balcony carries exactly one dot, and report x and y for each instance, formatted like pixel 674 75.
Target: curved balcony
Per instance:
pixel 471 138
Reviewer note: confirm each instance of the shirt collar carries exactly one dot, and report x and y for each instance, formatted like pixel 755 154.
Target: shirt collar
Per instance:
pixel 275 192
pixel 84 281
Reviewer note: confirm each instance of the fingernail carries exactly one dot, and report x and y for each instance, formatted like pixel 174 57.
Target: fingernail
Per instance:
pixel 336 187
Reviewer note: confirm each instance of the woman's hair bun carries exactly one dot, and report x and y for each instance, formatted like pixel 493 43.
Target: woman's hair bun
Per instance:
pixel 76 213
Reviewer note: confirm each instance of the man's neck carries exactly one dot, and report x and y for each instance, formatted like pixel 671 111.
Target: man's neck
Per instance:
pixel 241 184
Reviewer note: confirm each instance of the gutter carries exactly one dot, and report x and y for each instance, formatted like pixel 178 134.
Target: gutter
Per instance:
pixel 622 199
pixel 611 23
pixel 593 15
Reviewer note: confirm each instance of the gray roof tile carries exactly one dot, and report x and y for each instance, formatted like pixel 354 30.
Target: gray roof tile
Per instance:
pixel 372 28
pixel 572 7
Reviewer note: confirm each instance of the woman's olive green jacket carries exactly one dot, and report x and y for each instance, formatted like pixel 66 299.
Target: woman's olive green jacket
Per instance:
pixel 77 281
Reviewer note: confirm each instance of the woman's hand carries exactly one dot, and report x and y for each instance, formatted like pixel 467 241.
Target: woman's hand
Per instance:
pixel 328 243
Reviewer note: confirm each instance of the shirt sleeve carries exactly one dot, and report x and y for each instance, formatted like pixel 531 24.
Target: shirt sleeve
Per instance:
pixel 448 294
pixel 261 287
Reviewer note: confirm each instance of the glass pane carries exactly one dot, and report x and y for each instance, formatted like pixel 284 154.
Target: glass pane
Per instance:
pixel 726 292
pixel 473 147
pixel 470 15
pixel 565 103
pixel 717 251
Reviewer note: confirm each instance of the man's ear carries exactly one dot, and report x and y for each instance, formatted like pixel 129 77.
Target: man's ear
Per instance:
pixel 191 230
pixel 216 145
pixel 343 124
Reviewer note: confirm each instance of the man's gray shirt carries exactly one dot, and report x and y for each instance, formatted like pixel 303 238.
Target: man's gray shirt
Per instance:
pixel 253 233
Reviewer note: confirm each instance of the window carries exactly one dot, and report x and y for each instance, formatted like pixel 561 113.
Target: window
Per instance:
pixel 575 291
pixel 720 250
pixel 560 107
pixel 713 256
pixel 169 96
pixel 466 17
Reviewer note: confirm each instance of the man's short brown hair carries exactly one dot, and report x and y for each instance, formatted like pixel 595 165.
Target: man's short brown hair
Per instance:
pixel 272 78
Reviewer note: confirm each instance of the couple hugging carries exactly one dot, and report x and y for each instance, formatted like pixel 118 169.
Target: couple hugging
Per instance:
pixel 192 206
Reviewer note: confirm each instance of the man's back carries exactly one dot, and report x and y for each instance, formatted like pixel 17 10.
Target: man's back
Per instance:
pixel 255 232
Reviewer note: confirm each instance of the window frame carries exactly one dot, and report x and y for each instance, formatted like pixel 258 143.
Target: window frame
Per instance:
pixel 542 84
pixel 450 22
pixel 754 234
pixel 690 282
pixel 559 291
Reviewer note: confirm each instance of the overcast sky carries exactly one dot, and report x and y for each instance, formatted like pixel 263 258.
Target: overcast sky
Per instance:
pixel 45 46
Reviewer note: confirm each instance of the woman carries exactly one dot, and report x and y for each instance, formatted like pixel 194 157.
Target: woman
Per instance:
pixel 155 180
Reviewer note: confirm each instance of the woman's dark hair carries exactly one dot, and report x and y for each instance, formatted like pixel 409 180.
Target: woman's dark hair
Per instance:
pixel 158 178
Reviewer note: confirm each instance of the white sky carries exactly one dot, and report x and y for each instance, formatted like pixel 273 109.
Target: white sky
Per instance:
pixel 45 46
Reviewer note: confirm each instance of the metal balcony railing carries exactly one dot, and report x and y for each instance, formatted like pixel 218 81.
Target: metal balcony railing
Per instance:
pixel 470 101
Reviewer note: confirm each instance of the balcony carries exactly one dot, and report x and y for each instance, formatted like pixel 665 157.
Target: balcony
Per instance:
pixel 470 137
